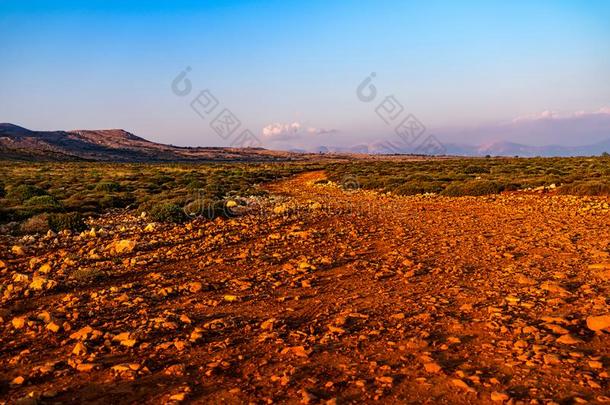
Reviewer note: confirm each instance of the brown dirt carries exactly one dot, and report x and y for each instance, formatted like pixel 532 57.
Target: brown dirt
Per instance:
pixel 317 295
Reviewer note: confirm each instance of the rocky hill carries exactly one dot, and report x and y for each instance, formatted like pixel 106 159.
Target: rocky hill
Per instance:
pixel 116 145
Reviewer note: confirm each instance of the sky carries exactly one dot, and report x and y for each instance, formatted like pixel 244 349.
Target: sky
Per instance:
pixel 470 72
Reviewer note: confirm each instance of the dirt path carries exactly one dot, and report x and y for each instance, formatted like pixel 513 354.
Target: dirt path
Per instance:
pixel 320 295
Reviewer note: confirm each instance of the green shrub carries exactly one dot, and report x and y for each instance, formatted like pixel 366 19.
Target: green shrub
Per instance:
pixel 473 188
pixel 43 201
pixel 72 221
pixel 475 169
pixel 207 208
pixel 586 188
pixel 413 188
pixel 114 201
pixel 167 212
pixel 108 186
pixel 24 192
pixel 36 224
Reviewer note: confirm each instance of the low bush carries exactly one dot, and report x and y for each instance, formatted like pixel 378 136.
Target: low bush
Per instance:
pixel 108 186
pixel 586 188
pixel 24 192
pixel 36 224
pixel 72 221
pixel 43 202
pixel 167 212
pixel 473 188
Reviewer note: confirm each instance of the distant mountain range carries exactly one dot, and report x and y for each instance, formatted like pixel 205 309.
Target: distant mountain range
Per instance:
pixel 492 149
pixel 115 145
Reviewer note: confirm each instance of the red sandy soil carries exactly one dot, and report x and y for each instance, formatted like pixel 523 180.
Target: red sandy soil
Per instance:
pixel 316 295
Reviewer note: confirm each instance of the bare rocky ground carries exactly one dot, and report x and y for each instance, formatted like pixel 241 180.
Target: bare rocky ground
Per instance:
pixel 317 295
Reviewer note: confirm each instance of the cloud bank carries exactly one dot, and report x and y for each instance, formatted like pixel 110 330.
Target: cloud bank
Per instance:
pixel 294 131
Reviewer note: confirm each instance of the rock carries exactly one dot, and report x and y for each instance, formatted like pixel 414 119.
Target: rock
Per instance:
pixel 86 333
pixel 53 327
pixel 386 380
pixel 125 339
pixel 432 367
pixel 129 343
pixel 20 278
pixel 298 351
pixel 178 397
pixel 177 370
pixel 122 246
pixel 79 349
pixel 45 268
pixel 17 250
pixel 551 359
pixel 195 286
pixel 600 322
pixel 499 396
pixel 19 322
pixel 85 367
pixel 554 287
pixel 38 283
pixel 335 329
pixel 568 339
pixel 461 384
pixel 18 380
pixel 556 329
pixel 268 324
pixel 44 316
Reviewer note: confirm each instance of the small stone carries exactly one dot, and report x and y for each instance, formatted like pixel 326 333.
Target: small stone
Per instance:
pixel 38 283
pixel 551 359
pixel 432 367
pixel 568 340
pixel 53 327
pixel 45 268
pixel 17 250
pixel 296 350
pixel 18 380
pixel 195 286
pixel 128 342
pixel 122 246
pixel 461 384
pixel 19 322
pixel 178 397
pixel 268 324
pixel 596 323
pixel 79 349
pixel 499 396
pixel 85 367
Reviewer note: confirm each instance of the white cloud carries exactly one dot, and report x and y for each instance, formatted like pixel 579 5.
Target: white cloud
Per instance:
pixel 554 115
pixel 291 131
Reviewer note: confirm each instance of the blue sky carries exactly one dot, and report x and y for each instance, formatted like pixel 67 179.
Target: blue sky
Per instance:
pixel 463 69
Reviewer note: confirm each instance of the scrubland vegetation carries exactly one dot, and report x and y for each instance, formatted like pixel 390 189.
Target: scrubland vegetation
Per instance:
pixel 472 177
pixel 57 196
pixel 42 196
